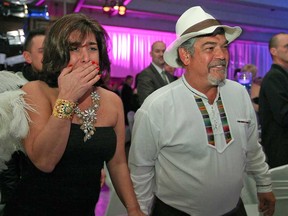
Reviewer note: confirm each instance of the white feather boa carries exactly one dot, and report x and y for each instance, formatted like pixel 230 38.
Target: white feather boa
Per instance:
pixel 14 119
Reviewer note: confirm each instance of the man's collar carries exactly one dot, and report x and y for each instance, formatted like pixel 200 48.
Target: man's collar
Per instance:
pixel 157 67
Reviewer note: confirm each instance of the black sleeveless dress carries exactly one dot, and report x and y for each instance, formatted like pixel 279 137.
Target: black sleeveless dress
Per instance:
pixel 73 187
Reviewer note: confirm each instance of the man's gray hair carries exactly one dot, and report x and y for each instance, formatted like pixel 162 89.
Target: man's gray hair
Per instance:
pixel 187 46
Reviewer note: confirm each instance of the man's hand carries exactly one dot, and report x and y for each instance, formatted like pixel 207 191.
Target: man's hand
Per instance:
pixel 266 203
pixel 103 177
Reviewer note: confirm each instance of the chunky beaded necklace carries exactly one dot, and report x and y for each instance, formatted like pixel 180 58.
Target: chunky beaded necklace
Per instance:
pixel 88 117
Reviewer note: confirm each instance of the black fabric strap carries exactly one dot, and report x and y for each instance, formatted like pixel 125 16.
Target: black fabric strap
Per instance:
pixel 162 209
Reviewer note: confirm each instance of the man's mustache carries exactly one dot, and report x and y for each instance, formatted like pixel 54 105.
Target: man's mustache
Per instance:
pixel 218 63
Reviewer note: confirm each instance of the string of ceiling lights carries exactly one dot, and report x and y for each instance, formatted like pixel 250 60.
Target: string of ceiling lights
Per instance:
pixel 111 7
pixel 115 6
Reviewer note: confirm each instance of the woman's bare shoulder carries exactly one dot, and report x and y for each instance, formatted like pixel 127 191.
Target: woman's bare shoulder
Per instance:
pixel 38 92
pixel 108 94
pixel 37 84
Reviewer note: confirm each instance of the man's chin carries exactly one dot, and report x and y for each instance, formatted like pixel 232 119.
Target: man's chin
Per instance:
pixel 217 81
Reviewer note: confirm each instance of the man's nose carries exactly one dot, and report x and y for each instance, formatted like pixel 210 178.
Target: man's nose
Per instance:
pixel 220 53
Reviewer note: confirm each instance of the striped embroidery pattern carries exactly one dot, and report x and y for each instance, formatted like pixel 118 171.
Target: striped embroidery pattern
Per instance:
pixel 207 121
pixel 224 121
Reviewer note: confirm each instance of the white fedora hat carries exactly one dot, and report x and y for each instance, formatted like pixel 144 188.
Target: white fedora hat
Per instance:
pixel 195 22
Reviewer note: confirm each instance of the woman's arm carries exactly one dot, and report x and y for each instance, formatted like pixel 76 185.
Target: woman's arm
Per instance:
pixel 48 134
pixel 118 167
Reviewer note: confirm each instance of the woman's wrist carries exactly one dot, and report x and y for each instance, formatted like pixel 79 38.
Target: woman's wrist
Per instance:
pixel 64 109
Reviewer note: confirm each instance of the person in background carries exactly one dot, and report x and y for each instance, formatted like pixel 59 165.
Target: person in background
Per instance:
pixel 154 76
pixel 273 103
pixel 236 71
pixel 13 128
pixel 193 140
pixel 170 70
pixel 33 55
pixel 76 127
pixel 11 103
pixel 127 96
pixel 255 85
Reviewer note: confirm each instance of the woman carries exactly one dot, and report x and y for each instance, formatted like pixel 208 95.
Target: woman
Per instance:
pixel 255 86
pixel 76 127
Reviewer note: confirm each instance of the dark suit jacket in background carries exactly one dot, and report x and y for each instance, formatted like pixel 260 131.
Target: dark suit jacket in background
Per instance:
pixel 130 103
pixel 150 80
pixel 273 113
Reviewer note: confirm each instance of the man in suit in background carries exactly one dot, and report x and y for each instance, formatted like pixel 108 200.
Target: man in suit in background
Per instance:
pixel 33 55
pixel 170 70
pixel 154 76
pixel 273 106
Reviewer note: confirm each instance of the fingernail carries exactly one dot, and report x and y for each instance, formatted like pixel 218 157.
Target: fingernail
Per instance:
pixel 93 62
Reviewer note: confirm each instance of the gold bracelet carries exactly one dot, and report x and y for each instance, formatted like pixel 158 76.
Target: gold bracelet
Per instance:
pixel 64 109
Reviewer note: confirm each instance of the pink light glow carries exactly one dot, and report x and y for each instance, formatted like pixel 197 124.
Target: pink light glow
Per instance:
pixel 40 2
pixel 94 7
pixel 126 2
pixel 130 51
pixel 80 4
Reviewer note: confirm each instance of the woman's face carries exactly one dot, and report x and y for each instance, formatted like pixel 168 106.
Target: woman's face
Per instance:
pixel 83 51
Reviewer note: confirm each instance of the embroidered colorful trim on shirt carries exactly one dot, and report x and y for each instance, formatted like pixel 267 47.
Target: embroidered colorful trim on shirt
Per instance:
pixel 224 120
pixel 207 121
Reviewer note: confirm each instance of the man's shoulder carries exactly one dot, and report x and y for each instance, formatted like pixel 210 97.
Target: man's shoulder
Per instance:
pixel 164 93
pixel 275 68
pixel 147 72
pixel 231 83
pixel 275 72
pixel 148 69
pixel 232 89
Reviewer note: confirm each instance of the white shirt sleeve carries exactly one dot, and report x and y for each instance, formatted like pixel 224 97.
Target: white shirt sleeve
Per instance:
pixel 256 165
pixel 142 157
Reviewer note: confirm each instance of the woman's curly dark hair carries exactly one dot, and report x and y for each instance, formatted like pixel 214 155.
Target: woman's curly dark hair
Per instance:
pixel 57 46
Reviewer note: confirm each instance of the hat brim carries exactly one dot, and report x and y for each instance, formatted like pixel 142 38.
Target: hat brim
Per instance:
pixel 171 53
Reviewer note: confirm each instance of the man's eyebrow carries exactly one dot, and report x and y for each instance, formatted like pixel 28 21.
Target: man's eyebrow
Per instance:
pixel 208 43
pixel 213 43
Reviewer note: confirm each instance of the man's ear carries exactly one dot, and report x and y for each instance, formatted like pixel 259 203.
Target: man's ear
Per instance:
pixel 27 57
pixel 273 51
pixel 184 56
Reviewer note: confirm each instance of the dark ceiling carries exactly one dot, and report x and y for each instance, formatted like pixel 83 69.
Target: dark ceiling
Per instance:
pixel 258 18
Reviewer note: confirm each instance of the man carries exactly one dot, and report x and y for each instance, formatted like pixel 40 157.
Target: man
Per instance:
pixel 127 96
pixel 170 70
pixel 33 54
pixel 193 140
pixel 154 76
pixel 273 103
